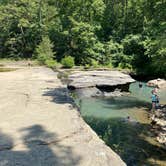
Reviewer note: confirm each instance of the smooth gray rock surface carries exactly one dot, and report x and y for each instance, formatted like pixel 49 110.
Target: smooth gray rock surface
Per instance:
pixel 84 79
pixel 94 92
pixel 39 126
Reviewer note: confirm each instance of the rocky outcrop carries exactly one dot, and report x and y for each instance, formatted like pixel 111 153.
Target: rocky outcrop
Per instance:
pixel 40 127
pixel 159 119
pixel 103 80
pixel 95 92
pixel 159 83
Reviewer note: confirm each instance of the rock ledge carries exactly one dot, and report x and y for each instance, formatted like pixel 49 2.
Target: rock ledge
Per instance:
pixel 99 79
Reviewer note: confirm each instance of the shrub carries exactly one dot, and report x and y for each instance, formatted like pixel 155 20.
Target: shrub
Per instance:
pixel 44 51
pixel 124 66
pixel 133 45
pixel 94 63
pixel 113 51
pixel 110 65
pixel 51 63
pixel 68 62
pixel 87 66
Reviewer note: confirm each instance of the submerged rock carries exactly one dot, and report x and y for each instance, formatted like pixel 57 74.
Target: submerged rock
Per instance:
pixel 103 80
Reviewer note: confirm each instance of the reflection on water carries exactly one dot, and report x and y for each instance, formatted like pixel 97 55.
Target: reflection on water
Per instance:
pixel 132 140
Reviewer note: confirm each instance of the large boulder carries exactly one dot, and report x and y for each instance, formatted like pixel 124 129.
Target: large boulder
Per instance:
pixel 159 83
pixel 100 79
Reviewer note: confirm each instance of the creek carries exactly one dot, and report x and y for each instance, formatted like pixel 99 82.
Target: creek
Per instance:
pixel 123 123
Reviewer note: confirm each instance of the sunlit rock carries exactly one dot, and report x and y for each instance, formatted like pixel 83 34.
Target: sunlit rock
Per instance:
pixel 159 83
pixel 104 80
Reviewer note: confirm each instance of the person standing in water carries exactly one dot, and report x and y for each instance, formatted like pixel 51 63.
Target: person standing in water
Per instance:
pixel 155 99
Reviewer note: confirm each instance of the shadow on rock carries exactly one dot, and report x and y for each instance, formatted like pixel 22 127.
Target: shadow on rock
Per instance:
pixel 41 149
pixel 6 141
pixel 59 95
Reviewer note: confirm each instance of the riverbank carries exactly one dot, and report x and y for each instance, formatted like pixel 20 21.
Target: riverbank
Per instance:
pixel 39 126
pixel 159 125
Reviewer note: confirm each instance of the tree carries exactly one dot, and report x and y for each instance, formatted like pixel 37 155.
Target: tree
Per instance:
pixel 91 31
pixel 44 50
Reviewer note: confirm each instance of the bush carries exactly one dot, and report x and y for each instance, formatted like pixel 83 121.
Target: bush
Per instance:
pixel 87 66
pixel 133 45
pixel 110 65
pixel 68 62
pixel 44 51
pixel 94 63
pixel 124 66
pixel 51 63
pixel 112 52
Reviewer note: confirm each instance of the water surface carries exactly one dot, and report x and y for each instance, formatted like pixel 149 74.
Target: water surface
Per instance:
pixel 134 139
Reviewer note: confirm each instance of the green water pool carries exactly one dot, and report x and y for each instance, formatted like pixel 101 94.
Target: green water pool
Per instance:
pixel 133 105
pixel 134 141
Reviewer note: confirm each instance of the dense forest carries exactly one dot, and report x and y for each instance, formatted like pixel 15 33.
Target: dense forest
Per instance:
pixel 115 33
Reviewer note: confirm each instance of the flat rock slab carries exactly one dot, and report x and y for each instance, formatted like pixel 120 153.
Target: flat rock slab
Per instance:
pixel 40 127
pixel 85 79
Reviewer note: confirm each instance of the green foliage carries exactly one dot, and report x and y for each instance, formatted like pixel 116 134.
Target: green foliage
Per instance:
pixel 68 62
pixel 44 50
pixel 112 52
pixel 115 57
pixel 156 51
pixel 133 45
pixel 84 43
pixel 94 63
pixel 135 49
pixel 51 63
pixel 126 34
pixel 22 24
pixel 110 65
pixel 122 61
